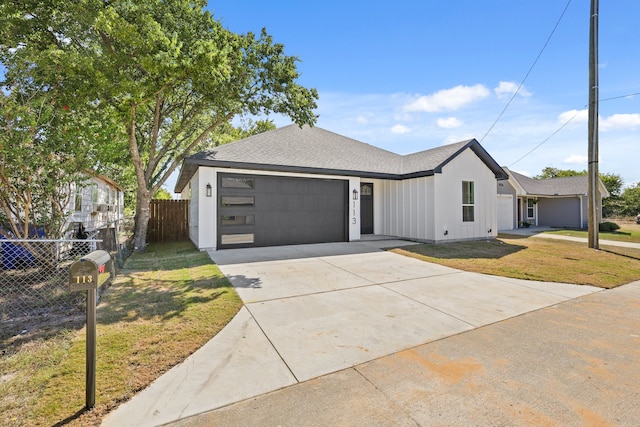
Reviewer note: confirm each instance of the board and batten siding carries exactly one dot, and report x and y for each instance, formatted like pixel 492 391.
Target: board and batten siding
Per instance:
pixel 403 208
pixel 448 199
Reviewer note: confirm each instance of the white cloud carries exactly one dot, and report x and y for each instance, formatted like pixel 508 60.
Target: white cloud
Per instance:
pixel 362 120
pixel 449 123
pixel 576 159
pixel 613 122
pixel 400 129
pixel 448 99
pixel 507 89
pixel 620 121
pixel 574 116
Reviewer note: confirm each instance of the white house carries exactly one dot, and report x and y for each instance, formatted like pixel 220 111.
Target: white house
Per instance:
pixel 96 204
pixel 307 185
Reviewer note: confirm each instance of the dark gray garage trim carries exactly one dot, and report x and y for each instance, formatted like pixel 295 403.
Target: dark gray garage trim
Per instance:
pixel 259 210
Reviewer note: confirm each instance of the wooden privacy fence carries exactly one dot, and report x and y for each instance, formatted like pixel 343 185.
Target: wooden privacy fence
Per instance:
pixel 169 221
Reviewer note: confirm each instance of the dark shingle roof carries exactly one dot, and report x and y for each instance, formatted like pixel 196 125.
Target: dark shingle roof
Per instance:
pixel 565 186
pixel 315 150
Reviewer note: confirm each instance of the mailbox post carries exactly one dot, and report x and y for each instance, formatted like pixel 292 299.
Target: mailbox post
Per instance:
pixel 89 273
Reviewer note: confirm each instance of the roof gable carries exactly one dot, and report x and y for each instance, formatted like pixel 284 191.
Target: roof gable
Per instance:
pixel 315 150
pixel 563 186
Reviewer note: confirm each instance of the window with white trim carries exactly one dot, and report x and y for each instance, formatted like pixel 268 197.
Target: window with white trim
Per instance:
pixel 530 208
pixel 468 204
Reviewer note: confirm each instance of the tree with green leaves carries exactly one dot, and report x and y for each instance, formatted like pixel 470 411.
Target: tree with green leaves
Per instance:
pixel 551 172
pixel 44 149
pixel 166 71
pixel 630 200
pixel 611 206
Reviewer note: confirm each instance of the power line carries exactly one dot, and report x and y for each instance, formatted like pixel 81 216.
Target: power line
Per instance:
pixel 569 121
pixel 528 72
pixel 547 138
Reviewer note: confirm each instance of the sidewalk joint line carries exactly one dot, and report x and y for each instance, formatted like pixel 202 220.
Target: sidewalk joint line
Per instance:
pixel 272 344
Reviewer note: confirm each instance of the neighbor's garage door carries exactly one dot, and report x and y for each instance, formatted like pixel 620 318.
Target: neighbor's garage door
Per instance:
pixel 561 212
pixel 255 210
pixel 505 212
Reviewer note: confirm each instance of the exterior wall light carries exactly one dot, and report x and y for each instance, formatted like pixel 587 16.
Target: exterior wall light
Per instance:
pixel 208 190
pixel 355 194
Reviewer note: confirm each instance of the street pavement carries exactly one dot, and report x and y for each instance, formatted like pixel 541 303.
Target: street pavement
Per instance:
pixel 329 331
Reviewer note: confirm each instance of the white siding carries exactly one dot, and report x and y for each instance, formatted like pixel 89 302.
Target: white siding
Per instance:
pixel 354 209
pixel 101 205
pixel 207 208
pixel 194 210
pixel 448 200
pixel 419 209
pixel 403 208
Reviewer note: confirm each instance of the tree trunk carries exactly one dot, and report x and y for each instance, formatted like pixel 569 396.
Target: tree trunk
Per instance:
pixel 143 213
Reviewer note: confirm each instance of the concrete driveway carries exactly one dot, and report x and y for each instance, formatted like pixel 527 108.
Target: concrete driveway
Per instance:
pixel 311 310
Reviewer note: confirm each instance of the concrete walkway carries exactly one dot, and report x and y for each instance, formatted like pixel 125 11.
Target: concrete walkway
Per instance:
pixel 580 239
pixel 540 232
pixel 312 310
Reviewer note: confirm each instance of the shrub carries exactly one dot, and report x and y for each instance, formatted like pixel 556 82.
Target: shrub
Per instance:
pixel 608 226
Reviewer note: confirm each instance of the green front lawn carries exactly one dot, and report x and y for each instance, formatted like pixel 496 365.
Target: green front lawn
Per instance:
pixel 164 305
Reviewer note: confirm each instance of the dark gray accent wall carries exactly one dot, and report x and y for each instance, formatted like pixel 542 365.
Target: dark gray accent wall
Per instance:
pixel 560 212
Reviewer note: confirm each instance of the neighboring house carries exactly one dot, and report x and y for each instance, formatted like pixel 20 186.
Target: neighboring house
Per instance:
pixel 96 204
pixel 307 185
pixel 553 202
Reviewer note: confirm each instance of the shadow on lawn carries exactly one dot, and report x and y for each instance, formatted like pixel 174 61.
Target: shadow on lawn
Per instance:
pixel 158 299
pixel 493 249
pixel 162 283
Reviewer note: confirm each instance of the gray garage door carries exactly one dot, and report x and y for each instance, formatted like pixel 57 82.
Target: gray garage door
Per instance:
pixel 563 212
pixel 256 210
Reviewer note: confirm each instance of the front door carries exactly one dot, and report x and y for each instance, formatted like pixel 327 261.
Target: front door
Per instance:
pixel 366 208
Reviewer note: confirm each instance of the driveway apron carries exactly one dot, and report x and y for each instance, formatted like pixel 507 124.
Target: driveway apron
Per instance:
pixel 311 310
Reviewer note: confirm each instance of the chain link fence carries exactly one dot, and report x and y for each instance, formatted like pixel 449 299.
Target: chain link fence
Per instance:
pixel 34 275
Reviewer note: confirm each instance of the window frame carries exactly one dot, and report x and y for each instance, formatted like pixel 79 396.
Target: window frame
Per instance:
pixel 225 201
pixel 531 205
pixel 468 201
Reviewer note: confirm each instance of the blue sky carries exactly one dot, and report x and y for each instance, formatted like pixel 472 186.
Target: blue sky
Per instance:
pixel 407 76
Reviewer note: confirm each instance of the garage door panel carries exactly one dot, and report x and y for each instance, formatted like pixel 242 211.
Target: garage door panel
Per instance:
pixel 562 212
pixel 287 210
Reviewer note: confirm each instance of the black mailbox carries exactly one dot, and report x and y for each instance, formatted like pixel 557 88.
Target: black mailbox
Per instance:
pixel 90 272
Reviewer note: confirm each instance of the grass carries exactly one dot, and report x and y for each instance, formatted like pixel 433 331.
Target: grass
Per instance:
pixel 532 258
pixel 164 305
pixel 629 232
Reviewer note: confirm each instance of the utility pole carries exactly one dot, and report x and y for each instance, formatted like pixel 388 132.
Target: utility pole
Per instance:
pixel 593 193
